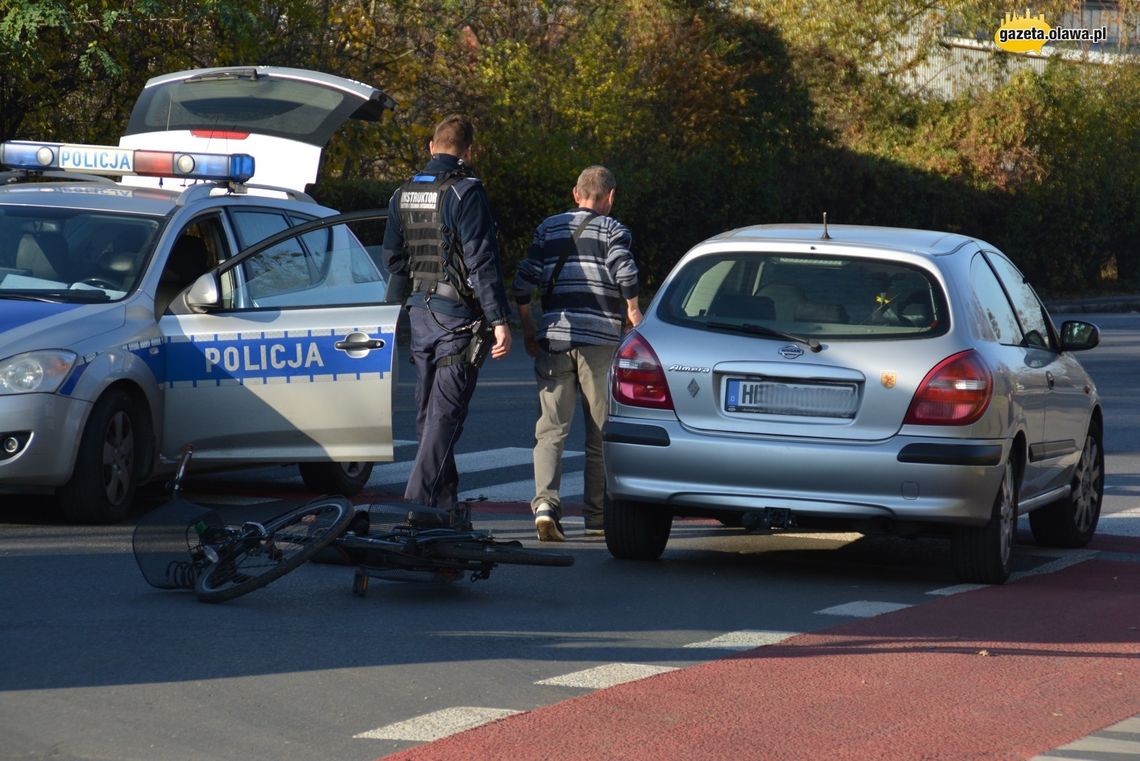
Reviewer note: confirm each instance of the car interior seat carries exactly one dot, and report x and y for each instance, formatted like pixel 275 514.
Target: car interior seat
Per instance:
pixel 43 254
pixel 188 259
pixel 916 309
pixel 739 305
pixel 118 268
pixel 810 311
pixel 785 298
pixel 911 303
pixel 121 257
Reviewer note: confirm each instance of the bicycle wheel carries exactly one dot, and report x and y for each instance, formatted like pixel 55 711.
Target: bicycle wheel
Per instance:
pixel 498 553
pixel 289 541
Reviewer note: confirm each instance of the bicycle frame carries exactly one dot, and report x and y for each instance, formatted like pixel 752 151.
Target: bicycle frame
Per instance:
pixel 422 547
pixel 182 545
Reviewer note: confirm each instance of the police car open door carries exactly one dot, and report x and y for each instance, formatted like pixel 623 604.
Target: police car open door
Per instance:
pixel 285 352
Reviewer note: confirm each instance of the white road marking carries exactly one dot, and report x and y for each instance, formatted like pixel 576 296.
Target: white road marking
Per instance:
pixel 956 589
pixel 744 640
pixel 485 383
pixel 863 609
pixel 227 499
pixel 1116 741
pixel 573 486
pixel 1070 557
pixel 1123 523
pixel 437 724
pixel 600 677
pixel 389 473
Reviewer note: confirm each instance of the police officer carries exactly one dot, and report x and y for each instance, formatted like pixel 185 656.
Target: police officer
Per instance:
pixel 441 242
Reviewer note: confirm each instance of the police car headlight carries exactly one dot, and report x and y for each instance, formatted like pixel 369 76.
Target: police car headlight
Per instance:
pixel 42 371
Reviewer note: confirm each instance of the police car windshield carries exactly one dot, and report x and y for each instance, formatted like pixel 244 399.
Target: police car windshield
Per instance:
pixel 72 254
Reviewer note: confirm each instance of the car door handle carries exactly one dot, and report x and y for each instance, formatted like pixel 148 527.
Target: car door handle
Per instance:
pixel 1049 379
pixel 359 342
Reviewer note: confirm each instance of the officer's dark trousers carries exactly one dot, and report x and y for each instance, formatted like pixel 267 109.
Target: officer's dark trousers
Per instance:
pixel 443 395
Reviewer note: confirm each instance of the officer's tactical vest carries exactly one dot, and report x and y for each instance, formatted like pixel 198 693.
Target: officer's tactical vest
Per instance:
pixel 435 252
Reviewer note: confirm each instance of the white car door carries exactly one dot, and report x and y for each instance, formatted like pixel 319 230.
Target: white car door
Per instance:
pixel 285 353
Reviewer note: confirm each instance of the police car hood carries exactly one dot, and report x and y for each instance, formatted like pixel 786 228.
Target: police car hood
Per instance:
pixel 34 325
pixel 282 117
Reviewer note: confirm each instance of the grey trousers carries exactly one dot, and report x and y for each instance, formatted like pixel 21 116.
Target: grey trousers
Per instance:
pixel 560 378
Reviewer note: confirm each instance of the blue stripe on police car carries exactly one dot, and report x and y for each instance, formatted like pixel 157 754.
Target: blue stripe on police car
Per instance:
pixel 18 313
pixel 299 357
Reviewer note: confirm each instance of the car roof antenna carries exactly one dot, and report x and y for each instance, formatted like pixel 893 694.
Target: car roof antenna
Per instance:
pixel 825 236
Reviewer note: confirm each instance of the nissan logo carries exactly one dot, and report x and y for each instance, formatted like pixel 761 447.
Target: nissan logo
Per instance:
pixel 791 351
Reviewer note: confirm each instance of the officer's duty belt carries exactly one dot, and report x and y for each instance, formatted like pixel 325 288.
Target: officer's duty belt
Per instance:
pixel 439 288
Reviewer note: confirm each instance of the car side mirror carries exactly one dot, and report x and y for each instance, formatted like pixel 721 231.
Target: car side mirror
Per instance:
pixel 204 293
pixel 1078 335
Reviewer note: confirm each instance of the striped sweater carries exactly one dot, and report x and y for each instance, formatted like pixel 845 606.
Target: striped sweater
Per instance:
pixel 587 305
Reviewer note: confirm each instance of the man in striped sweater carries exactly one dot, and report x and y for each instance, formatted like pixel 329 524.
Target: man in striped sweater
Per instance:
pixel 581 265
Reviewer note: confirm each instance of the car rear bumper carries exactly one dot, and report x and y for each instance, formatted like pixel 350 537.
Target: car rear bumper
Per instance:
pixel 898 479
pixel 49 427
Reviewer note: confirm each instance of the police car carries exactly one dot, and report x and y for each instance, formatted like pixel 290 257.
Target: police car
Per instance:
pixel 201 298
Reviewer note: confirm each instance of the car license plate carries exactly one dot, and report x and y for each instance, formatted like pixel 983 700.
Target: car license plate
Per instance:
pixel 781 398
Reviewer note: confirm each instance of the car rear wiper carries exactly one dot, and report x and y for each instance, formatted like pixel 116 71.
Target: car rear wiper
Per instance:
pixel 762 330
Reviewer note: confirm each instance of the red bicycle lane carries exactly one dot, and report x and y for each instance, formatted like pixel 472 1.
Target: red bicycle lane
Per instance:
pixel 1001 672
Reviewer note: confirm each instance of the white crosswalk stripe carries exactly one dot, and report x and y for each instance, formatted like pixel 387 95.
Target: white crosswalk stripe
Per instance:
pixel 387 475
pixel 438 724
pixel 863 608
pixel 1121 523
pixel 572 488
pixel 600 677
pixel 474 462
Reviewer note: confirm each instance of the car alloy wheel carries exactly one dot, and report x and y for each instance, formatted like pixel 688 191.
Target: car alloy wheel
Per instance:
pixel 984 554
pixel 1072 520
pixel 103 482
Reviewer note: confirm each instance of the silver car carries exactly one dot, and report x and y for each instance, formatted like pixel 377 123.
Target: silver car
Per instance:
pixel 854 378
pixel 186 302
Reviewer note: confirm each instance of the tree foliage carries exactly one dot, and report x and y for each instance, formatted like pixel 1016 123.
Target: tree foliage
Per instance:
pixel 712 113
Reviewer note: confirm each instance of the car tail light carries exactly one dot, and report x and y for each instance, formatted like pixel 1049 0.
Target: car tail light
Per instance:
pixel 639 379
pixel 956 392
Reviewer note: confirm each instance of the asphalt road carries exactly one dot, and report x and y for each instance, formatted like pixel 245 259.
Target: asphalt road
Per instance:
pixel 99 666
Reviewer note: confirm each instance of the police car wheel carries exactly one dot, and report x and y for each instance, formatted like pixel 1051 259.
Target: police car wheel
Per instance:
pixel 344 478
pixel 102 485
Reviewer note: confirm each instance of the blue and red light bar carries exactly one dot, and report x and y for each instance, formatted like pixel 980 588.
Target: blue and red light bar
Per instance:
pixel 105 159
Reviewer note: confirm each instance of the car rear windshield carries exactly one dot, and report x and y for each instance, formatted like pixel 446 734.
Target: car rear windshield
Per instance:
pixel 802 295
pixel 294 109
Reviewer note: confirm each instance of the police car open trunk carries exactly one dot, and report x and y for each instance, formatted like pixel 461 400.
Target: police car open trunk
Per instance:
pixel 283 117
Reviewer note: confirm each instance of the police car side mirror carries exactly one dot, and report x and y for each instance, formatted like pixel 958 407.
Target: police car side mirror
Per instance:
pixel 204 294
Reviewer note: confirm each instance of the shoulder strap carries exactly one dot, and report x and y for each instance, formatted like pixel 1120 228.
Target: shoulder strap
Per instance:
pixel 567 247
pixel 453 267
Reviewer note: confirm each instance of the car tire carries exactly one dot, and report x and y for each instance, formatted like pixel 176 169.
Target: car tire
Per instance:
pixel 344 478
pixel 984 554
pixel 105 477
pixel 1071 521
pixel 636 530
